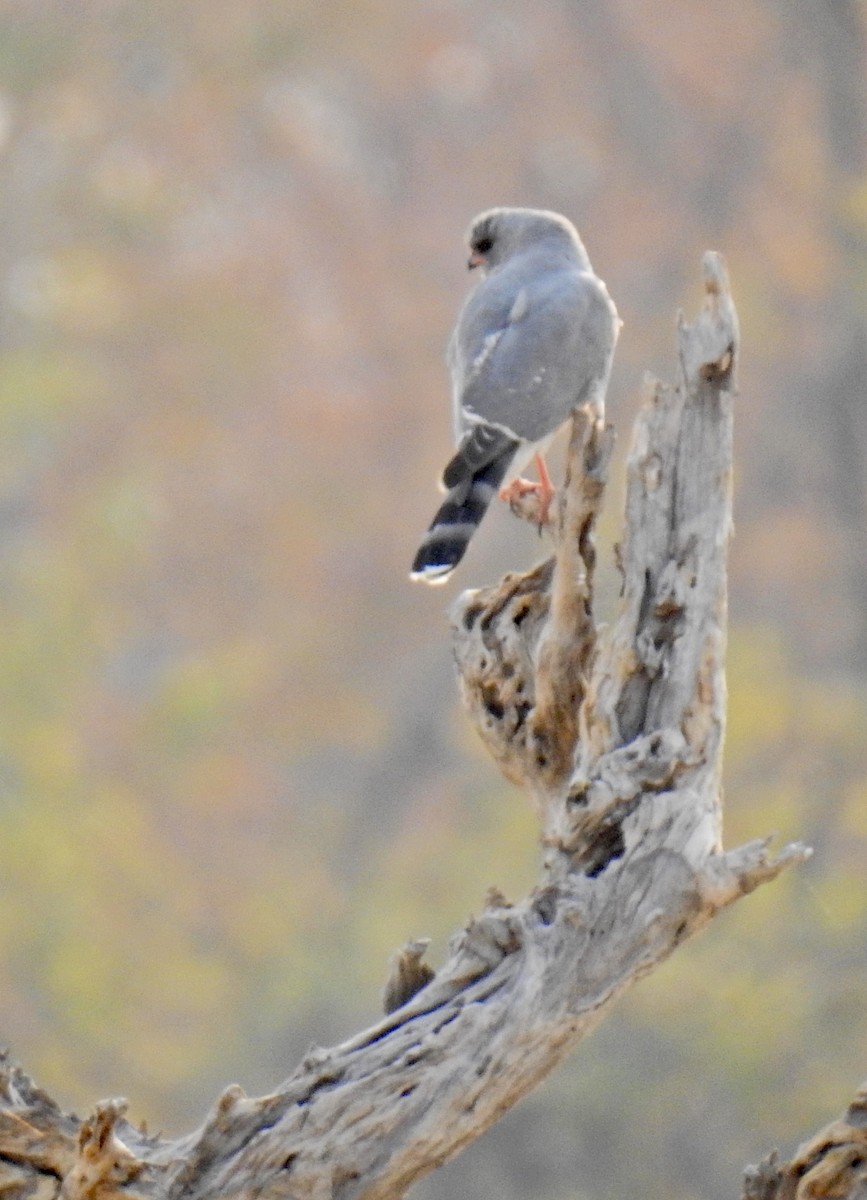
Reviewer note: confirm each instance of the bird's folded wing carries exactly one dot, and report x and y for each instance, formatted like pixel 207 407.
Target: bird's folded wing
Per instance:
pixel 523 375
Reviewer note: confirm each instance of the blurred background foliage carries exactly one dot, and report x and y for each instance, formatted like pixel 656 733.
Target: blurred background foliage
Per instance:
pixel 233 770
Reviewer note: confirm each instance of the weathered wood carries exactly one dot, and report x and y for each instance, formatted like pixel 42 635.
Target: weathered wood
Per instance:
pixel 616 736
pixel 407 975
pixel 831 1165
pixel 524 646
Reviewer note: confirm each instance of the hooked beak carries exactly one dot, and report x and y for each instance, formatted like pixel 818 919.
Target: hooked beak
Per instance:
pixel 475 260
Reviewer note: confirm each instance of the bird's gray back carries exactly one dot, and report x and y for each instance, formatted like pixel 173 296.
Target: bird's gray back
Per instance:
pixel 530 342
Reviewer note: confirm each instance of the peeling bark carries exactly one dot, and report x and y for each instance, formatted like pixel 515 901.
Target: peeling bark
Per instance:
pixel 616 736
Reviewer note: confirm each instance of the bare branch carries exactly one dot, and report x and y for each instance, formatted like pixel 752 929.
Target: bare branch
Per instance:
pixel 567 644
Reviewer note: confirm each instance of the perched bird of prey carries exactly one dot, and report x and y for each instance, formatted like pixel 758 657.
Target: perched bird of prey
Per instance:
pixel 533 341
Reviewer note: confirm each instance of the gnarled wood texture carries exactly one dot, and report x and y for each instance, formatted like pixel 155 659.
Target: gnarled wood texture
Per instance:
pixel 831 1165
pixel 616 736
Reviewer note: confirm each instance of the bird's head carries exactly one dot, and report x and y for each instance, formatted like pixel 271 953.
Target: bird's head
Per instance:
pixel 498 234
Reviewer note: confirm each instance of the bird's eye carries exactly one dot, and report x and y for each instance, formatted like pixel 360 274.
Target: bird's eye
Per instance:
pixel 483 245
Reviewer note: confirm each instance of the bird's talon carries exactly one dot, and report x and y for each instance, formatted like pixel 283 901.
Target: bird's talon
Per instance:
pixel 518 488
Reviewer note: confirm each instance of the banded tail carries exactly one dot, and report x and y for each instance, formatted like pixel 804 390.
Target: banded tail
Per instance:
pixel 472 479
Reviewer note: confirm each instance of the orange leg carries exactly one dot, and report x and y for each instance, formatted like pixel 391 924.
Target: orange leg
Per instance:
pixel 547 491
pixel 522 487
